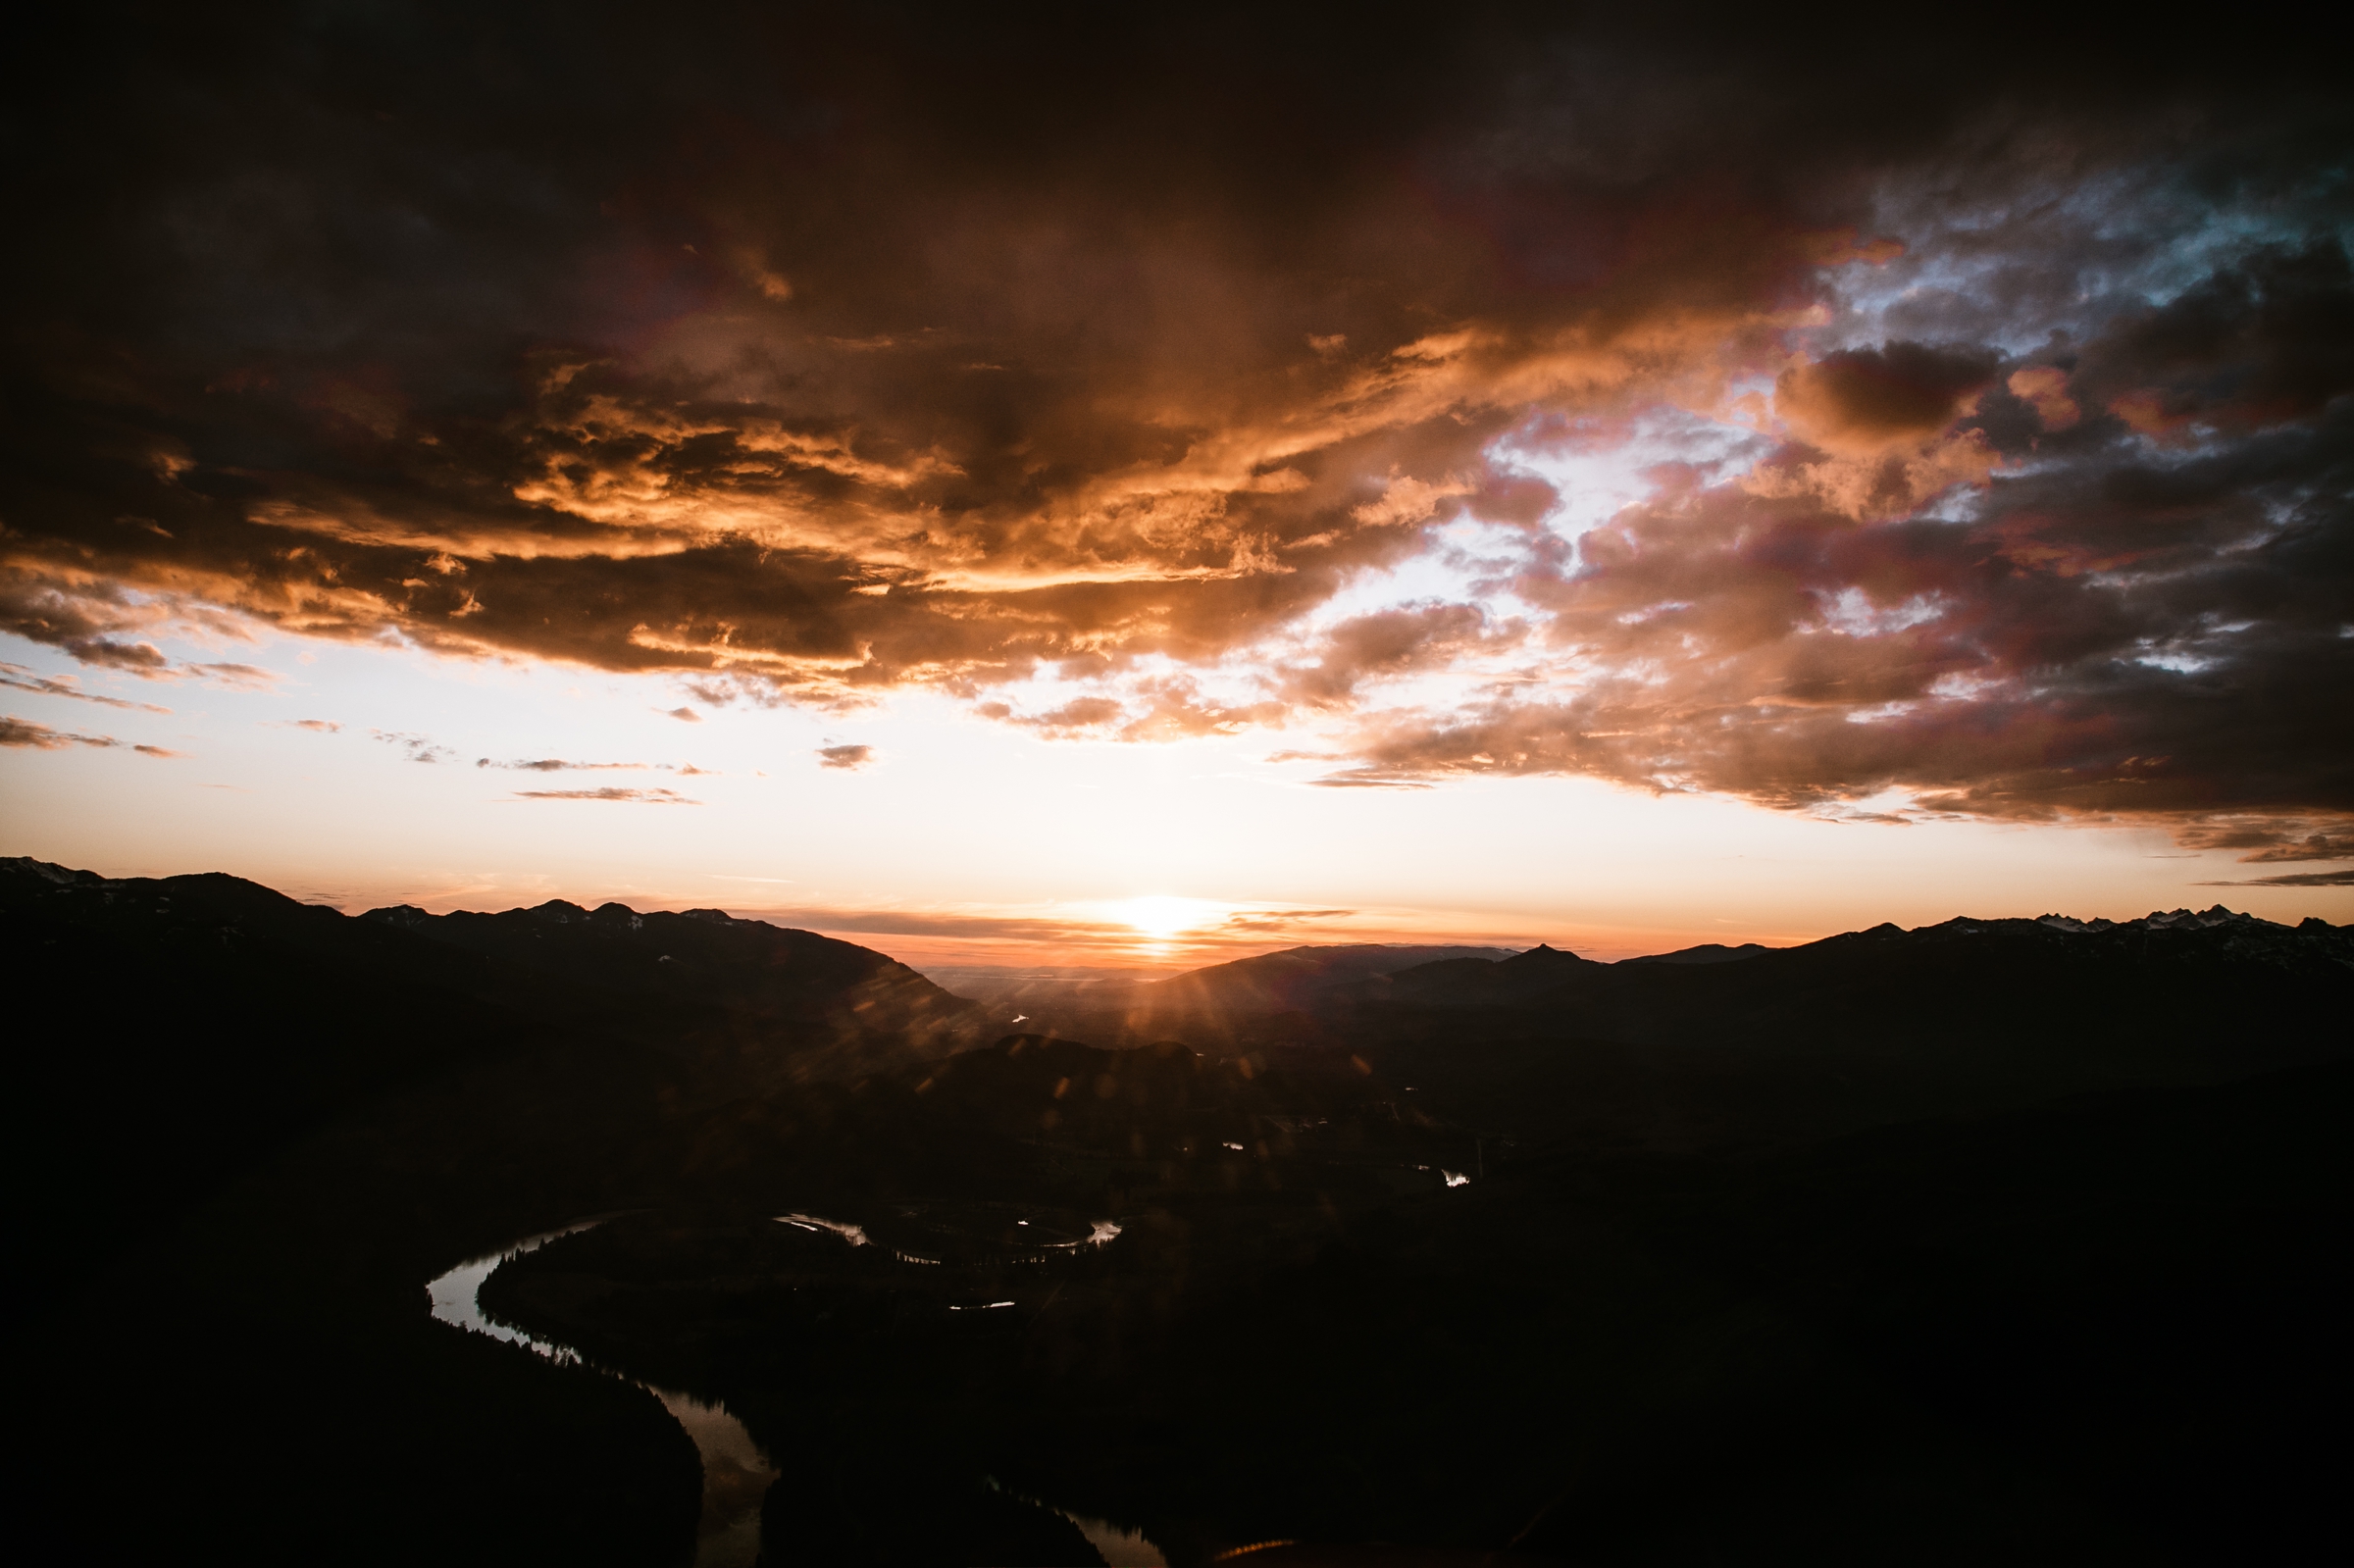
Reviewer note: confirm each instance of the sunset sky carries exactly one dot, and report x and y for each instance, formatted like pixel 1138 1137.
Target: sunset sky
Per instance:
pixel 1067 487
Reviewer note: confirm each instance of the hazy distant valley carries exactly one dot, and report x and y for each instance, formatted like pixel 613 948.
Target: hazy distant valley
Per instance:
pixel 2008 1239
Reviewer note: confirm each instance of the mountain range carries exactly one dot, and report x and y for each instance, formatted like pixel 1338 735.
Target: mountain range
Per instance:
pixel 175 1031
pixel 1714 1045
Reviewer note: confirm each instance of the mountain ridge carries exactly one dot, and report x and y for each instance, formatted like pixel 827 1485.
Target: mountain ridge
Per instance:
pixel 175 1031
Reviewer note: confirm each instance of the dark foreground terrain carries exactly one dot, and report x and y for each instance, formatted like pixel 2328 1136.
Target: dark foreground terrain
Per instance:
pixel 1994 1241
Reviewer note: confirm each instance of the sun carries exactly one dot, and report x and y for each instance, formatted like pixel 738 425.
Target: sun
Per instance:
pixel 1158 917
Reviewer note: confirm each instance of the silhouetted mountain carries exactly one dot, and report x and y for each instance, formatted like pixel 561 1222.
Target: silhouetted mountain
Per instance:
pixel 171 1032
pixel 739 1001
pixel 1687 1049
pixel 1244 989
pixel 1962 974
pixel 1705 953
pixel 1514 979
pixel 1297 977
pixel 1865 1028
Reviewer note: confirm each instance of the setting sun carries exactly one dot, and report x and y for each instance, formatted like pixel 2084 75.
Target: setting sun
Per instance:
pixel 1162 918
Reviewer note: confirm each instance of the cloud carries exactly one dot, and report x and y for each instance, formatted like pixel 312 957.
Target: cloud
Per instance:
pixel 806 367
pixel 2300 879
pixel 650 798
pixel 15 732
pixel 416 747
pixel 23 679
pixel 324 727
pixel 849 757
pixel 2044 389
pixel 2271 840
pixel 1371 777
pixel 2316 847
pixel 90 617
pixel 140 658
pixel 1399 641
pixel 1868 399
pixel 682 714
pixel 1277 921
pixel 2265 338
pixel 561 765
pixel 236 676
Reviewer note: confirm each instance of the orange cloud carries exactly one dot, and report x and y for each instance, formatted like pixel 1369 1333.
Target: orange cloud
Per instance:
pixel 2044 387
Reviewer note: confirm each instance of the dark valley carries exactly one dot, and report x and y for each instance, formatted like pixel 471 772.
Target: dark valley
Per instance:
pixel 1994 1238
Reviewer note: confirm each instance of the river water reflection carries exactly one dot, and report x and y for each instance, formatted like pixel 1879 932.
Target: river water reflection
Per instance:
pixel 735 1472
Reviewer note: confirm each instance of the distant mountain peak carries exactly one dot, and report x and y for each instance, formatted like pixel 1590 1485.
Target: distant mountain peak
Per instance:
pixel 63 875
pixel 1710 953
pixel 2161 920
pixel 1542 956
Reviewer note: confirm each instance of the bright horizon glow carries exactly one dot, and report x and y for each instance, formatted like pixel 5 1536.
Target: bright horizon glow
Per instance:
pixel 1161 917
pixel 962 843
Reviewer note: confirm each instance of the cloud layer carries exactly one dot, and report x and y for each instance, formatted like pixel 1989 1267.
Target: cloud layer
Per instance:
pixel 1912 426
pixel 15 732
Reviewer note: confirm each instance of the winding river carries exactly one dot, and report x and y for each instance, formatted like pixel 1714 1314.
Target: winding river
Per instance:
pixel 735 1472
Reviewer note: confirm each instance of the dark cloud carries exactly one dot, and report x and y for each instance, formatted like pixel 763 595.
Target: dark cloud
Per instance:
pixel 1868 399
pixel 2270 841
pixel 2316 847
pixel 2299 879
pixel 1076 367
pixel 845 756
pixel 140 658
pixel 324 727
pixel 2266 339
